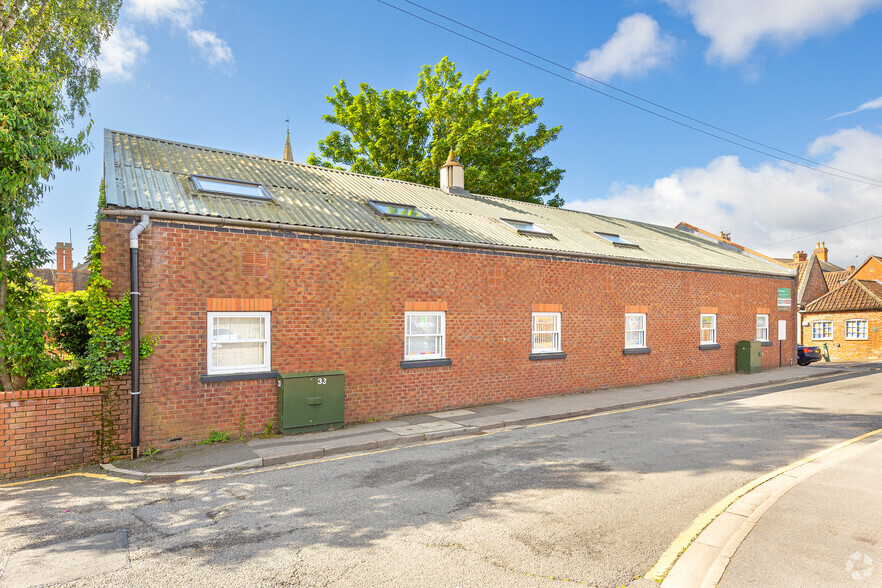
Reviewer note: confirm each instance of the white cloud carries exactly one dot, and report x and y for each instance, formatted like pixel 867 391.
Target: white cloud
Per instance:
pixel 871 105
pixel 769 203
pixel 214 49
pixel 181 13
pixel 121 53
pixel 634 49
pixel 735 27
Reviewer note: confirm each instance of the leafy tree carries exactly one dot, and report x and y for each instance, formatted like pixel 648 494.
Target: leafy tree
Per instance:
pixel 27 359
pixel 407 135
pixel 30 151
pixel 62 38
pixel 48 52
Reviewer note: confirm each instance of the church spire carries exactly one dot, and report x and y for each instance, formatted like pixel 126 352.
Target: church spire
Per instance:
pixel 287 155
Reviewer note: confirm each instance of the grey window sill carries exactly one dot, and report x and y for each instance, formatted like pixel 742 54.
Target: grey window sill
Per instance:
pixel 636 351
pixel 766 343
pixel 706 346
pixel 424 363
pixel 542 356
pixel 211 378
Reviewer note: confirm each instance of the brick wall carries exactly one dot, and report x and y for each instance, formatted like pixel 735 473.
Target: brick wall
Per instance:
pixel 340 303
pixel 816 285
pixel 839 348
pixel 46 431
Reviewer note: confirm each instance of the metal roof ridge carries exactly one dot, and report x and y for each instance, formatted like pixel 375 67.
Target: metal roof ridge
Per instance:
pixel 265 157
pixel 473 195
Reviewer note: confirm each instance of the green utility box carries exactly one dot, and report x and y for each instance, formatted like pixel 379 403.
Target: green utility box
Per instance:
pixel 748 357
pixel 311 401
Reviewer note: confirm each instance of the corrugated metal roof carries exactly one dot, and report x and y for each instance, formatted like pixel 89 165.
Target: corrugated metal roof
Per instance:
pixel 154 175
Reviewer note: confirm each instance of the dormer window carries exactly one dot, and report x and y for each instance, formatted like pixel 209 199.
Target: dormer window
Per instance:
pixel 617 240
pixel 231 188
pixel 399 210
pixel 526 227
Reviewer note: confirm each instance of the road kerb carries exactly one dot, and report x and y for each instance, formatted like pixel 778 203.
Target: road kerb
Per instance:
pixel 663 571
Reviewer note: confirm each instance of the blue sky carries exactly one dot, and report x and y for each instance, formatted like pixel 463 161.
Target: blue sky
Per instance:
pixel 226 74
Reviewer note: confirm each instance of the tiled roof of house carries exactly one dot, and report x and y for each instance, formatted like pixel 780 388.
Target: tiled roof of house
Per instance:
pixel 146 174
pixel 833 278
pixel 852 295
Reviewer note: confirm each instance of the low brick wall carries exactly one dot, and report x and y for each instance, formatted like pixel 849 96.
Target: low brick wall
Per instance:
pixel 46 431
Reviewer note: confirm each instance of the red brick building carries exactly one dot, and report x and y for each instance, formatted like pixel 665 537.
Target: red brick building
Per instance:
pixel 846 322
pixel 427 298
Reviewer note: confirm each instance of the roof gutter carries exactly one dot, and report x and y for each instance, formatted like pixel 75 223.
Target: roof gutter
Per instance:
pixel 264 225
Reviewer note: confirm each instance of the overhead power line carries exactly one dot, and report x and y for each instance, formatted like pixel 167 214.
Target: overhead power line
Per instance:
pixel 866 220
pixel 741 141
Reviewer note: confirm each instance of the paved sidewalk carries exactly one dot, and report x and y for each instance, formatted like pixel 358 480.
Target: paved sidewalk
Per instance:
pixel 202 459
pixel 827 531
pixel 817 524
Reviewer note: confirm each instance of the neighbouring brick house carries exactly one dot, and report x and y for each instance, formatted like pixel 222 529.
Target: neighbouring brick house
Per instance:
pixel 846 321
pixel 427 298
pixel 66 277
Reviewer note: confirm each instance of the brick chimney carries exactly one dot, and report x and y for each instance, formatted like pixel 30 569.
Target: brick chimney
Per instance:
pixel 821 251
pixel 452 174
pixel 799 256
pixel 850 268
pixel 64 267
pixel 725 235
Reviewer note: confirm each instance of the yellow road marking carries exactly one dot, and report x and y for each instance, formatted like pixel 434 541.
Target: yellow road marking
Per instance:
pixel 104 477
pixel 667 560
pixel 435 442
pixel 500 430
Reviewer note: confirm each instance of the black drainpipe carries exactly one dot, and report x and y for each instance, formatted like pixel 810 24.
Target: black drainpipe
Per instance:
pixel 136 336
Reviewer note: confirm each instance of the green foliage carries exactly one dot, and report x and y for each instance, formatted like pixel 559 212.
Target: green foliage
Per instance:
pixel 63 39
pixel 68 327
pixel 269 428
pixel 108 320
pixel 30 150
pixel 23 342
pixel 407 135
pixel 215 437
pixel 150 451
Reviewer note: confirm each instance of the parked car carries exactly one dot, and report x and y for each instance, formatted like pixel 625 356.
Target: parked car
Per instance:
pixel 807 354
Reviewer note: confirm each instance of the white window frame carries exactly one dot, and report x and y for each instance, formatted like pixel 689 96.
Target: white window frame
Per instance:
pixel 866 329
pixel 556 338
pixel 701 329
pixel 443 335
pixel 759 336
pixel 642 316
pixel 829 337
pixel 241 369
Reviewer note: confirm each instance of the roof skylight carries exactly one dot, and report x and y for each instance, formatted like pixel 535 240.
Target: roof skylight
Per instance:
pixel 616 240
pixel 231 187
pixel 399 210
pixel 525 227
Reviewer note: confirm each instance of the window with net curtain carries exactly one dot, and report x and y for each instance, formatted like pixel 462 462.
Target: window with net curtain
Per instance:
pixel 635 330
pixel 546 332
pixel 708 329
pixel 762 327
pixel 238 342
pixel 424 335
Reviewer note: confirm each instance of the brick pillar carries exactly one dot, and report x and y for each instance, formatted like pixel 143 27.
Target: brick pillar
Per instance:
pixel 64 267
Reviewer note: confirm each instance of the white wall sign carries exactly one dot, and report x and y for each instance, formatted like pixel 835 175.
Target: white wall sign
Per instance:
pixel 782 330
